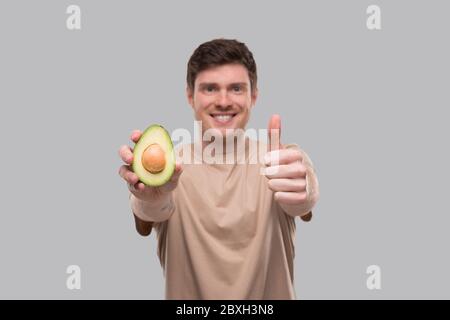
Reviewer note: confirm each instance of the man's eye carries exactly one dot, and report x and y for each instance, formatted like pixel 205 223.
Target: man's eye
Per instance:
pixel 210 89
pixel 237 88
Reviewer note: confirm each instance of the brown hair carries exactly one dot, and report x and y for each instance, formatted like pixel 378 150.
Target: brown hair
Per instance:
pixel 218 52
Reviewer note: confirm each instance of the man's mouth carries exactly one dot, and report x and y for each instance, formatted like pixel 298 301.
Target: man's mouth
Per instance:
pixel 223 118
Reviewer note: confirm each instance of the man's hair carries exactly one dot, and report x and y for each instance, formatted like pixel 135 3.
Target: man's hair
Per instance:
pixel 219 52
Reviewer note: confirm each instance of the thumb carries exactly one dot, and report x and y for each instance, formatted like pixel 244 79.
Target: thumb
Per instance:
pixel 173 182
pixel 177 172
pixel 274 132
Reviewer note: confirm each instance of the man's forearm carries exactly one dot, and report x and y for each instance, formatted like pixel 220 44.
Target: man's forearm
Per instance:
pixel 155 211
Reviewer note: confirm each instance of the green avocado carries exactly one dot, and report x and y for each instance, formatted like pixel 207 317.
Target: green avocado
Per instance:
pixel 157 139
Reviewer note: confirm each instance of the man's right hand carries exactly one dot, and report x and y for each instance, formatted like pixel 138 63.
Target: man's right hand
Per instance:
pixel 149 194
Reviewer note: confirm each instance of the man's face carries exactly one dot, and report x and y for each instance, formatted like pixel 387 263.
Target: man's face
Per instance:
pixel 222 97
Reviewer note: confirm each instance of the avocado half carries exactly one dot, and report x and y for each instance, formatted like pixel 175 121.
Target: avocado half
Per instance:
pixel 154 145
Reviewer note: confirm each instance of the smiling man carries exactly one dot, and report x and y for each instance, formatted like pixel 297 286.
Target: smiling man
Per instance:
pixel 226 231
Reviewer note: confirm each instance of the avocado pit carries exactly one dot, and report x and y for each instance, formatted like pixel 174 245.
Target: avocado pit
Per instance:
pixel 154 158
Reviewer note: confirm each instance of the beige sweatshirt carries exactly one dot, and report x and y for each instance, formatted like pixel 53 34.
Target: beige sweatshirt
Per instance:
pixel 225 236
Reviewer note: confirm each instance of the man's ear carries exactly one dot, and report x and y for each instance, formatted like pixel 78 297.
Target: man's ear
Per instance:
pixel 190 96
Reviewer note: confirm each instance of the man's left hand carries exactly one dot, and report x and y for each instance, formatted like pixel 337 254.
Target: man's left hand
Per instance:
pixel 287 173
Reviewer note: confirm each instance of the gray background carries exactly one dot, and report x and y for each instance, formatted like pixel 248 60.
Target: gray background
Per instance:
pixel 369 107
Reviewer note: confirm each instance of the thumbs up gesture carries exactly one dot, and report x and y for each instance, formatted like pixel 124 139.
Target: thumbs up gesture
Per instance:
pixel 288 174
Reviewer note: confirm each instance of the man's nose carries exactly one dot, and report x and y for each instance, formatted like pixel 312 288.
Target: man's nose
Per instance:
pixel 223 99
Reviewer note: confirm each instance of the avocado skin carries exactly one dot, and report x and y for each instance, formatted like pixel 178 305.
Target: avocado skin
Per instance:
pixel 152 134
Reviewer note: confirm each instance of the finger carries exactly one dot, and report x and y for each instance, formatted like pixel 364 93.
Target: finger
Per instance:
pixel 284 156
pixel 288 185
pixel 137 189
pixel 293 170
pixel 136 135
pixel 139 186
pixel 290 198
pixel 274 132
pixel 128 175
pixel 125 154
pixel 178 171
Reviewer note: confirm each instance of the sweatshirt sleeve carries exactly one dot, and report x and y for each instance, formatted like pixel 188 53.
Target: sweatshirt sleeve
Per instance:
pixel 152 212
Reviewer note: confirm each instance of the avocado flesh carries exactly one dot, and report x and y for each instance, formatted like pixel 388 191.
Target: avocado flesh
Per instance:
pixel 154 134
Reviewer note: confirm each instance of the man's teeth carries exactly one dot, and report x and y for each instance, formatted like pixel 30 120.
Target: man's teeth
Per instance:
pixel 223 118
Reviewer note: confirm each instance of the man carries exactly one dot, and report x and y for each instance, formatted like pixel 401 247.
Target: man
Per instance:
pixel 226 231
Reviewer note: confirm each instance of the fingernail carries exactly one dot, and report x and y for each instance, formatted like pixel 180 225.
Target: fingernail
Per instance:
pixel 270 170
pixel 267 159
pixel 272 157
